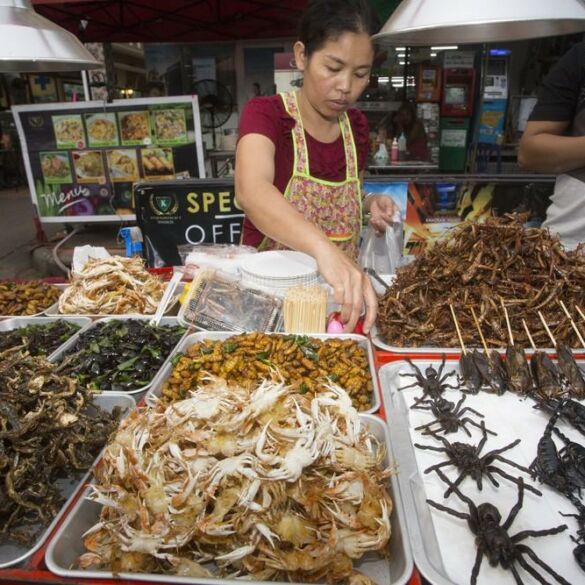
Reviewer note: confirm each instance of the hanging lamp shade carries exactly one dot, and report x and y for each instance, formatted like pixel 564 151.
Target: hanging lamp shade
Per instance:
pixel 30 42
pixel 445 22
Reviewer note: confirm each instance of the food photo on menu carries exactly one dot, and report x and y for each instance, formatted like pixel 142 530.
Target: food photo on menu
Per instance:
pixel 123 164
pixel 158 163
pixel 89 166
pixel 170 126
pixel 134 128
pixel 102 129
pixel 68 131
pixel 56 167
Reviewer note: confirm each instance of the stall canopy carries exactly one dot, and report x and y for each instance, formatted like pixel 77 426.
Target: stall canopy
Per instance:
pixel 159 21
pixel 174 20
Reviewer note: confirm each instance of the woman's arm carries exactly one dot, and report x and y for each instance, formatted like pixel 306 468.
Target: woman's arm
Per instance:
pixel 546 149
pixel 275 217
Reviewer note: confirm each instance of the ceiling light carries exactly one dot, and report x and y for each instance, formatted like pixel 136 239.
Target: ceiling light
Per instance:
pixel 439 22
pixel 31 42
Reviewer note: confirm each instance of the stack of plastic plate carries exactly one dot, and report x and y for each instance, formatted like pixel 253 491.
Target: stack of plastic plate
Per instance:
pixel 278 270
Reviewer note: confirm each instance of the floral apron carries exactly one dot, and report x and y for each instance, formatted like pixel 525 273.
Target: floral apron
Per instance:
pixel 334 207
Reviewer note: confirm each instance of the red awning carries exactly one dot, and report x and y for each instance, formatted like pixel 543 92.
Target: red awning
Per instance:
pixel 174 21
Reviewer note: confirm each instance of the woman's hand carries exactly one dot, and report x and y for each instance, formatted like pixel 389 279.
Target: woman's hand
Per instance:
pixel 352 289
pixel 382 211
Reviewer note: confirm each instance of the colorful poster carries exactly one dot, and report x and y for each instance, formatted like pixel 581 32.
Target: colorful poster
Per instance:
pixel 102 129
pixel 82 159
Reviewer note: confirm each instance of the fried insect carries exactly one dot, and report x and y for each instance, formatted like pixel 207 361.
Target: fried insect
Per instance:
pixel 26 298
pixel 571 371
pixel 476 265
pixel 470 374
pixel 448 417
pixel 433 383
pixel 249 358
pixel 518 369
pixel 547 377
pixel 48 430
pixel 493 541
pixel 470 462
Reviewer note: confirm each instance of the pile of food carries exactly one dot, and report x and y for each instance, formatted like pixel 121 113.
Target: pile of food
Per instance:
pixel 485 267
pixel 46 433
pixel 38 339
pixel 120 355
pixel 112 286
pixel 259 483
pixel 26 298
pixel 247 359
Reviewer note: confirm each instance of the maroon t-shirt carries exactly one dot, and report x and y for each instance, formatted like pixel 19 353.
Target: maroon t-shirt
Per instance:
pixel 268 116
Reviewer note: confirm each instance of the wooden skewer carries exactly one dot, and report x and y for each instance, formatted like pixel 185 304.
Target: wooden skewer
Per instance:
pixel 457 329
pixel 547 329
pixel 507 321
pixel 573 324
pixel 480 332
pixel 580 312
pixel 529 336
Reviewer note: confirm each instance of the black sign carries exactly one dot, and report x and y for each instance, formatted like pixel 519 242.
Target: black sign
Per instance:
pixel 188 211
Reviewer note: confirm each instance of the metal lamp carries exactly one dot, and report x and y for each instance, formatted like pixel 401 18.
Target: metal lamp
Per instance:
pixel 30 42
pixel 440 22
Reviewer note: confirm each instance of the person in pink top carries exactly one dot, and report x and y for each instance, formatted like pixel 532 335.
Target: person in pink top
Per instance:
pixel 301 155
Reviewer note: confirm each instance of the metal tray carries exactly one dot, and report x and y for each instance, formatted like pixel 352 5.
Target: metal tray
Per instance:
pixel 172 309
pixel 396 569
pixel 60 354
pixel 443 547
pixel 14 554
pixel 40 313
pixel 192 338
pixel 17 322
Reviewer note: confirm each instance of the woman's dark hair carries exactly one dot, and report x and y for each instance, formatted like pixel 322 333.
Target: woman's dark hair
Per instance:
pixel 323 20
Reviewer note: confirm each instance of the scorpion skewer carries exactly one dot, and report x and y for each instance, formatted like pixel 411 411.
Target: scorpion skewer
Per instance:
pixel 469 371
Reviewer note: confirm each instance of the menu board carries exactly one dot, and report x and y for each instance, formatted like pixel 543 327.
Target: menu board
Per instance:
pixel 82 159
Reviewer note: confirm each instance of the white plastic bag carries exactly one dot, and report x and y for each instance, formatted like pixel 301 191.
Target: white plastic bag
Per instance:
pixel 383 253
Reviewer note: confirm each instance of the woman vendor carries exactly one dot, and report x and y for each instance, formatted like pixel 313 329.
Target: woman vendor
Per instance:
pixel 301 154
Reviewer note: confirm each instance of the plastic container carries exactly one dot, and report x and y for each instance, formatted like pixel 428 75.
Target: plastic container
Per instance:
pixel 395 569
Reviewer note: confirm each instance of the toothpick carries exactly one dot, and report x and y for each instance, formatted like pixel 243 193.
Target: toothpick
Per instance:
pixel 507 321
pixel 547 329
pixel 573 324
pixel 457 329
pixel 480 332
pixel 529 336
pixel 580 312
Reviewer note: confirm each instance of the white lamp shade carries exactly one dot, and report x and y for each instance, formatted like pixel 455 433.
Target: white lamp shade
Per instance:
pixel 30 42
pixel 445 22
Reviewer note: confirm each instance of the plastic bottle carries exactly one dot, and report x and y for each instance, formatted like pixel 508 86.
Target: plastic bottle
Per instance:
pixel 402 147
pixel 381 156
pixel 394 152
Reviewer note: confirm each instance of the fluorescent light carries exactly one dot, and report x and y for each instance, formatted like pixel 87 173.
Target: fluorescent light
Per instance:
pixel 401 63
pixel 433 54
pixel 400 48
pixel 401 55
pixel 383 79
pixel 445 48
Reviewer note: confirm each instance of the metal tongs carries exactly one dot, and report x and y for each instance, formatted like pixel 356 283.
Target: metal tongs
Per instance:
pixel 373 273
pixel 167 296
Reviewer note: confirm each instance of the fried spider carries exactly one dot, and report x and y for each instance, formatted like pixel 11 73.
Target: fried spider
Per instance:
pixel 493 541
pixel 448 417
pixel 433 383
pixel 469 461
pixel 579 540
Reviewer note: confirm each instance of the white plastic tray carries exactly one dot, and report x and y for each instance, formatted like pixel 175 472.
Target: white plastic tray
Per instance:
pixel 192 338
pixel 443 546
pixel 13 554
pixel 396 569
